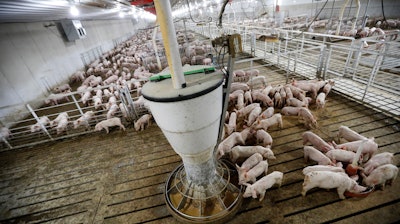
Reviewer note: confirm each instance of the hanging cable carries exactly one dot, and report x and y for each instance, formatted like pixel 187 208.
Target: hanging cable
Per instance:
pixel 383 12
pixel 221 13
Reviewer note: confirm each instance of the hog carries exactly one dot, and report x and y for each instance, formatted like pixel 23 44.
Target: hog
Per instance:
pixel 263 137
pixel 97 102
pixel 369 147
pixel 58 118
pixel 111 101
pixel 55 98
pixel 290 111
pixel 376 161
pixel 246 110
pixel 259 96
pixel 328 87
pixel 239 73
pixel 328 180
pixel 296 102
pixel 86 97
pixel 253 115
pixel 276 119
pixel 231 126
pixel 260 186
pixel 238 85
pixel 5 133
pixel 247 133
pixel 341 155
pixel 297 92
pixel 310 87
pixel 111 112
pixel 247 151
pixel 278 101
pixel 317 156
pixel 309 119
pixel 78 76
pixel 234 95
pixel 349 135
pixel 316 141
pixel 62 125
pixel 123 109
pixel 288 91
pixel 44 120
pixel 249 163
pixel 381 175
pixel 84 119
pixel 228 143
pixel 253 173
pixel 257 82
pixel 267 90
pixel 207 61
pixel 110 80
pixel 269 112
pixel 252 72
pixel 115 121
pixel 247 98
pixel 321 100
pixel 95 81
pixel 322 168
pixel 240 102
pixel 62 88
pixel 142 121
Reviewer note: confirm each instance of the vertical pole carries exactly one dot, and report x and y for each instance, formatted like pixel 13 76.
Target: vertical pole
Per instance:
pixel 155 49
pixel 225 98
pixel 37 119
pixel 167 28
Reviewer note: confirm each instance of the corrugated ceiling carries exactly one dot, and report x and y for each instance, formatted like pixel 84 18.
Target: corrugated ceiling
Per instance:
pixel 12 11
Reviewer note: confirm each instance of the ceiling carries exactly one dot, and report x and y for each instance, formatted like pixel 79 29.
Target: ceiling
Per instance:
pixel 14 11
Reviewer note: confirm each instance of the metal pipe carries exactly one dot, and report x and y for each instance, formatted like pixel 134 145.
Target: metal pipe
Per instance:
pixel 156 49
pixel 164 17
pixel 358 11
pixel 38 120
pixel 341 16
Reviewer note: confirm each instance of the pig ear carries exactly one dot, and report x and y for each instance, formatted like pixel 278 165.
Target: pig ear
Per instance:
pixel 237 167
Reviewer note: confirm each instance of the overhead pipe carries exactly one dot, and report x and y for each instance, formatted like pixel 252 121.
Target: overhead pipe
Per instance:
pixel 358 11
pixel 164 17
pixel 341 16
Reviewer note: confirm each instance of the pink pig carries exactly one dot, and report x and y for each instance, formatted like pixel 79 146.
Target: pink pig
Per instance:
pixel 381 175
pixel 376 161
pixel 253 173
pixel 315 155
pixel 247 151
pixel 228 143
pixel 316 141
pixel 276 119
pixel 260 186
pixel 349 135
pixel 263 137
pixel 115 121
pixel 142 122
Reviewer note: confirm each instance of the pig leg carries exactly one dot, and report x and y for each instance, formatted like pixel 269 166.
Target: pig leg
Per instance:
pixel 106 129
pixel 262 195
pixel 340 191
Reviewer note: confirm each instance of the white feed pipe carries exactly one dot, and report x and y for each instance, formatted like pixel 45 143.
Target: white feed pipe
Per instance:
pixel 164 18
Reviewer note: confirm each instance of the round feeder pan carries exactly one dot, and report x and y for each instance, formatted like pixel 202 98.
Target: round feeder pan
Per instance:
pixel 360 194
pixel 216 203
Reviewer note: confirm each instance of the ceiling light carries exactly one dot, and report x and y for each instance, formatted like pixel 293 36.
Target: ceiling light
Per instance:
pixel 74 11
pixel 121 15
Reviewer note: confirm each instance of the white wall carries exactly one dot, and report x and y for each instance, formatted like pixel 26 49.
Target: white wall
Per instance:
pixel 31 52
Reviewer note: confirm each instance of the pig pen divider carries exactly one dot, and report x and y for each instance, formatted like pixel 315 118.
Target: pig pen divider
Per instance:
pixel 366 74
pixel 21 136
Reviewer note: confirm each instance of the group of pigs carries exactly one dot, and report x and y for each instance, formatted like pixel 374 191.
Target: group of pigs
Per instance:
pixel 335 162
pixel 130 64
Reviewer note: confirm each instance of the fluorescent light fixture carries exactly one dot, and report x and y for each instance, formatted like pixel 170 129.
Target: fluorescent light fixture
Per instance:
pixel 121 15
pixel 74 11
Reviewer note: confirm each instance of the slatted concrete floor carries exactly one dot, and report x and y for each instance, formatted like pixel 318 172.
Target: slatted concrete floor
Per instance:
pixel 119 177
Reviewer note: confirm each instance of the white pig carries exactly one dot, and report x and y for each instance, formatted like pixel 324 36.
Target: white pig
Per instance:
pixel 322 168
pixel 141 123
pixel 263 137
pixel 240 102
pixel 276 119
pixel 62 125
pixel 58 119
pixel 315 155
pixel 316 141
pixel 381 175
pixel 115 121
pixel 349 135
pixel 84 119
pixel 376 161
pixel 369 146
pixel 290 111
pixel 111 112
pixel 247 151
pixel 248 164
pixel 259 96
pixel 253 173
pixel 341 155
pixel 269 112
pixel 328 180
pixel 260 186
pixel 308 118
pixel 228 143
pixel 44 120
pixel 253 115
pixel 247 98
pixel 321 100
pixel 246 110
pixel 231 126
pixel 238 85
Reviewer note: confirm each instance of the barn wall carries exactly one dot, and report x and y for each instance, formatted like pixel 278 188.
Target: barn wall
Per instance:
pixel 35 57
